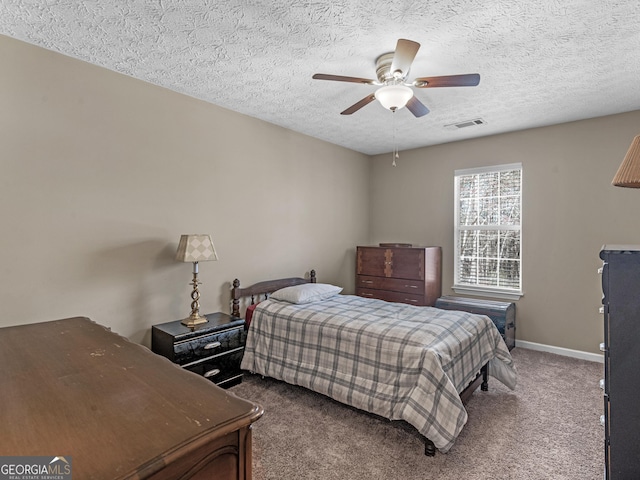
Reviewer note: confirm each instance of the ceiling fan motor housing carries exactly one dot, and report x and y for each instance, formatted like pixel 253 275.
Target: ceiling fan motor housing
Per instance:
pixel 383 68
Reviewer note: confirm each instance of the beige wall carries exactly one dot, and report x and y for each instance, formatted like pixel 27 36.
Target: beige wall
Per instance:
pixel 101 173
pixel 570 210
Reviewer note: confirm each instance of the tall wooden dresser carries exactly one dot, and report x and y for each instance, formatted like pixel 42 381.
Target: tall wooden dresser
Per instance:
pixel 399 274
pixel 621 308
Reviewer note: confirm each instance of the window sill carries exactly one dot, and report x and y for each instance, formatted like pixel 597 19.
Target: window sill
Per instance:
pixel 487 292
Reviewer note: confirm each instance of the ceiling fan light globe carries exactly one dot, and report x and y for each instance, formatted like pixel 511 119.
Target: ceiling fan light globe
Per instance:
pixel 394 97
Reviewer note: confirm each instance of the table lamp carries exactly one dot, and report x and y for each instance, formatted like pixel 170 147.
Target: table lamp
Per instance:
pixel 194 249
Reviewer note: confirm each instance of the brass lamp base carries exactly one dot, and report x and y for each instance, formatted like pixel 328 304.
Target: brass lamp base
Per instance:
pixel 193 320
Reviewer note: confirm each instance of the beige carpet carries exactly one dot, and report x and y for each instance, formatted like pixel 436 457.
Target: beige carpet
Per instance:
pixel 548 428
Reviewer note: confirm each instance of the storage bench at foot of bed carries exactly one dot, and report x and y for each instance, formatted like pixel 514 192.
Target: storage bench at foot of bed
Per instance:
pixel 503 314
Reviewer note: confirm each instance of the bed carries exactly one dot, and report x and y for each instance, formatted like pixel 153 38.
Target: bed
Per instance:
pixel 399 361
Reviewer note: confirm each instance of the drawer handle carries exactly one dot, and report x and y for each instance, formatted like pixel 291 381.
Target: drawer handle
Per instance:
pixel 411 286
pixel 410 300
pixel 367 294
pixel 366 281
pixel 602 347
pixel 212 373
pixel 211 345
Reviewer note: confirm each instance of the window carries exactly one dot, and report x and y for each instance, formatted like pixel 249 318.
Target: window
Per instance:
pixel 488 220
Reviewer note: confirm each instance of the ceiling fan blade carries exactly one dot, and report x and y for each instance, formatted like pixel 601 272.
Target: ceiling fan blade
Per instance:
pixel 416 107
pixel 403 57
pixel 468 80
pixel 357 106
pixel 340 78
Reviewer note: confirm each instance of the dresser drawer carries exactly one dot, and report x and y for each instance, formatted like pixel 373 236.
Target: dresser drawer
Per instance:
pixel 414 287
pixel 389 296
pixel 220 368
pixel 196 348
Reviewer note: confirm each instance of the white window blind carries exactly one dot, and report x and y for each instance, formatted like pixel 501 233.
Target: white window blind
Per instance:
pixel 488 222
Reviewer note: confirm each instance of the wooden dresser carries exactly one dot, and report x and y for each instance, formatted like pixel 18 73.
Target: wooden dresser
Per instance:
pixel 399 274
pixel 72 388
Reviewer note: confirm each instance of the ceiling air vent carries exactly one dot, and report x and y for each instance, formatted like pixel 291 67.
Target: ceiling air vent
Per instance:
pixel 466 123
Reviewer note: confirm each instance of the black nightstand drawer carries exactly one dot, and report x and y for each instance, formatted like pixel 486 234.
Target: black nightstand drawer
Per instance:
pixel 220 368
pixel 213 349
pixel 197 348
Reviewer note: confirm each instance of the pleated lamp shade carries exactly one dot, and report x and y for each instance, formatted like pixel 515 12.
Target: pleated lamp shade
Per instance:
pixel 629 172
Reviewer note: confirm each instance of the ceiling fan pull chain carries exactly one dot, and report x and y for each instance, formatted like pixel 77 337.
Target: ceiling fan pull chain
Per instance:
pixel 395 146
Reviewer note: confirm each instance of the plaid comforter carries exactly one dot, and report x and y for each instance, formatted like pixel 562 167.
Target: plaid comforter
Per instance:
pixel 399 361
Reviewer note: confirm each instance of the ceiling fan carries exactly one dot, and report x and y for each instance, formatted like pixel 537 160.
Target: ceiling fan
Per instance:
pixel 394 93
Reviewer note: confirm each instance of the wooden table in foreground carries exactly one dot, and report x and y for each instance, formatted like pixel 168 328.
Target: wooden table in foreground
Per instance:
pixel 73 388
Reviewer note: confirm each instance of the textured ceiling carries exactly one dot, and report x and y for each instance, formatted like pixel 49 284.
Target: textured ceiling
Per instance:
pixel 541 62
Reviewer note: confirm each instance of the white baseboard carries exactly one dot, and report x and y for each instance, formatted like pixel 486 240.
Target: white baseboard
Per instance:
pixel 567 352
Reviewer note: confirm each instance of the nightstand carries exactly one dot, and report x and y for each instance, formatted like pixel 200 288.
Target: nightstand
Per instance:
pixel 213 349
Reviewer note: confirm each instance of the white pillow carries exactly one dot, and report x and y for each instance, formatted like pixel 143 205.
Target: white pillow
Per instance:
pixel 306 293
